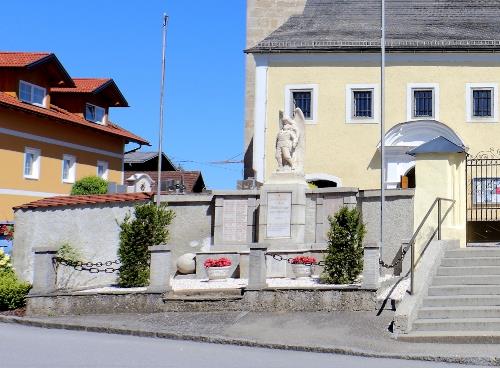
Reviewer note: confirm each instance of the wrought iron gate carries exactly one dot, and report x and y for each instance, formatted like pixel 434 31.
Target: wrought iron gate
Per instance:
pixel 483 196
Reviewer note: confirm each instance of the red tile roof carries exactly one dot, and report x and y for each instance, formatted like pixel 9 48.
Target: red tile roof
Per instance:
pixel 190 178
pixel 85 199
pixel 84 85
pixel 21 59
pixel 67 117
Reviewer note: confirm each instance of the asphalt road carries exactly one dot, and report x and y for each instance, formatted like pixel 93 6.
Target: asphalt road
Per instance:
pixel 22 346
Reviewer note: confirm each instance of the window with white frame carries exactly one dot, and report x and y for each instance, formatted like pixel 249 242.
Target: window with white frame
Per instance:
pixel 94 113
pixel 31 93
pixel 304 97
pixel 31 163
pixel 482 102
pixel 68 168
pixel 422 101
pixel 102 169
pixel 362 103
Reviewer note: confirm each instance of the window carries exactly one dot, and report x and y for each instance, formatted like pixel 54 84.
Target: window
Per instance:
pixel 102 169
pixel 362 104
pixel 422 101
pixel 94 113
pixel 31 163
pixel 68 168
pixel 304 97
pixel 31 93
pixel 481 102
pixel 302 100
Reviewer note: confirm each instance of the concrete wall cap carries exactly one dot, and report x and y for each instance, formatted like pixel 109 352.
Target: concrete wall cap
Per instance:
pixel 160 248
pixel 388 193
pixel 373 245
pixel 45 250
pixel 228 193
pixel 186 198
pixel 333 190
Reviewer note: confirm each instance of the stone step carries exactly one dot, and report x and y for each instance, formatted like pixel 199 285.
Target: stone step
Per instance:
pixel 457 324
pixel 469 262
pixel 459 312
pixel 463 290
pixel 466 280
pixel 465 271
pixel 456 337
pixel 472 253
pixel 461 300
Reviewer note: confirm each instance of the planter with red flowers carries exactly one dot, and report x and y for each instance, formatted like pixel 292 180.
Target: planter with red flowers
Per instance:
pixel 302 266
pixel 218 268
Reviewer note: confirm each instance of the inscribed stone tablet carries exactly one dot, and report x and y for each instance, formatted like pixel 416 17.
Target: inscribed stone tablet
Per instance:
pixel 234 220
pixel 279 214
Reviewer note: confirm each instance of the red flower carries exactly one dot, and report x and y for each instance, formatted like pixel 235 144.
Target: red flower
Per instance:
pixel 7 231
pixel 303 260
pixel 218 262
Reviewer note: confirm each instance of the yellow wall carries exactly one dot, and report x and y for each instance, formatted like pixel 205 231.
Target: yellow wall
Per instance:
pixel 50 179
pixel 348 150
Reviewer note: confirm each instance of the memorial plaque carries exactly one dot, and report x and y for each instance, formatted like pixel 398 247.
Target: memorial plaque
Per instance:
pixel 234 220
pixel 279 215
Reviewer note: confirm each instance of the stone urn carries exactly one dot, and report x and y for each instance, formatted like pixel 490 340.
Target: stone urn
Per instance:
pixel 218 273
pixel 301 271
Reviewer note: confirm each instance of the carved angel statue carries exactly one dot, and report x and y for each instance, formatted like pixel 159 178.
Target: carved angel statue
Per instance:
pixel 290 142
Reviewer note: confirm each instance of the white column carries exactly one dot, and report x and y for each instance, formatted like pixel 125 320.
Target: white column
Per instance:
pixel 259 135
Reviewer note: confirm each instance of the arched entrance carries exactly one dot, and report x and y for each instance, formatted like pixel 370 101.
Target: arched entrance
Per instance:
pixel 410 179
pixel 321 180
pixel 405 136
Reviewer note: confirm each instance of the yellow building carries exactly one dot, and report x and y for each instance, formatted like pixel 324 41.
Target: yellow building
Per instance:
pixel 54 129
pixel 442 77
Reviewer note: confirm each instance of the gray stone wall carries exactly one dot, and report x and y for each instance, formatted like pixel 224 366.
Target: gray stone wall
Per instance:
pixel 263 17
pixel 398 220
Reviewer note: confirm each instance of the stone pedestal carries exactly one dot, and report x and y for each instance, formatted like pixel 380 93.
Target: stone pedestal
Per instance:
pixel 160 269
pixel 257 271
pixel 371 267
pixel 44 270
pixel 282 212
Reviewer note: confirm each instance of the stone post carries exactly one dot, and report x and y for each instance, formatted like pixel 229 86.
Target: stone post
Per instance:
pixel 44 270
pixel 406 264
pixel 257 270
pixel 159 274
pixel 371 267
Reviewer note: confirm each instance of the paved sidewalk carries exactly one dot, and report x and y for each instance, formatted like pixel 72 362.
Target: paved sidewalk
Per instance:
pixel 355 333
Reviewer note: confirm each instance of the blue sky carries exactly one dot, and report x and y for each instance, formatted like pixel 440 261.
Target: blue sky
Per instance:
pixel 204 103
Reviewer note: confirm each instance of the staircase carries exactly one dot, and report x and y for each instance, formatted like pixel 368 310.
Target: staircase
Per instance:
pixel 463 301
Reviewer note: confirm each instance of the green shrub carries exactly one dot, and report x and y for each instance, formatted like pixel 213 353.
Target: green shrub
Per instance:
pixel 147 228
pixel 12 291
pixel 344 260
pixel 90 185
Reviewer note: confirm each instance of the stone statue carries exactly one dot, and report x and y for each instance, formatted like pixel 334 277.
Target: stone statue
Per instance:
pixel 290 142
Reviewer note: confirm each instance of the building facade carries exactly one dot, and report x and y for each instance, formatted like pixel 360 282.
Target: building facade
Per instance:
pixel 442 78
pixel 54 129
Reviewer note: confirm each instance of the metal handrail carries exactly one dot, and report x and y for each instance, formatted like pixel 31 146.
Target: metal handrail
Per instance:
pixel 411 243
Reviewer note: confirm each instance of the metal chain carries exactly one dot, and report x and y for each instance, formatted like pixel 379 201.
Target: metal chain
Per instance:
pixel 280 258
pixel 97 267
pixel 398 261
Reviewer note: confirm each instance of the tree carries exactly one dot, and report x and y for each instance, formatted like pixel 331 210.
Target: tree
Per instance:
pixel 148 227
pixel 90 185
pixel 344 260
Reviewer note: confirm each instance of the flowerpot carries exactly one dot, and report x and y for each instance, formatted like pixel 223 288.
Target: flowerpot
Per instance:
pixel 301 271
pixel 218 273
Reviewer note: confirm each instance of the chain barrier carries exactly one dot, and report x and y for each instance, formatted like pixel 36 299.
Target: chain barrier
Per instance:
pixel 97 267
pixel 280 258
pixel 398 261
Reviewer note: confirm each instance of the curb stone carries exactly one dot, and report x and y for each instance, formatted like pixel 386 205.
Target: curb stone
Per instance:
pixel 491 361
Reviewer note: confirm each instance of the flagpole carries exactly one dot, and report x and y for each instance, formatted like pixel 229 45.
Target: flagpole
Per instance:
pixel 382 131
pixel 160 133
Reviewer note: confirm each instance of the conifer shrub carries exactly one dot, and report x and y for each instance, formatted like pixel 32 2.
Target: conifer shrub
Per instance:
pixel 148 227
pixel 344 259
pixel 90 185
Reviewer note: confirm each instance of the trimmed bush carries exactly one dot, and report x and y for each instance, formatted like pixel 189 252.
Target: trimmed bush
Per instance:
pixel 344 261
pixel 12 291
pixel 90 185
pixel 148 227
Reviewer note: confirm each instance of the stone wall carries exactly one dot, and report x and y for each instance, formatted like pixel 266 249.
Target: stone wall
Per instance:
pixel 263 17
pixel 94 229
